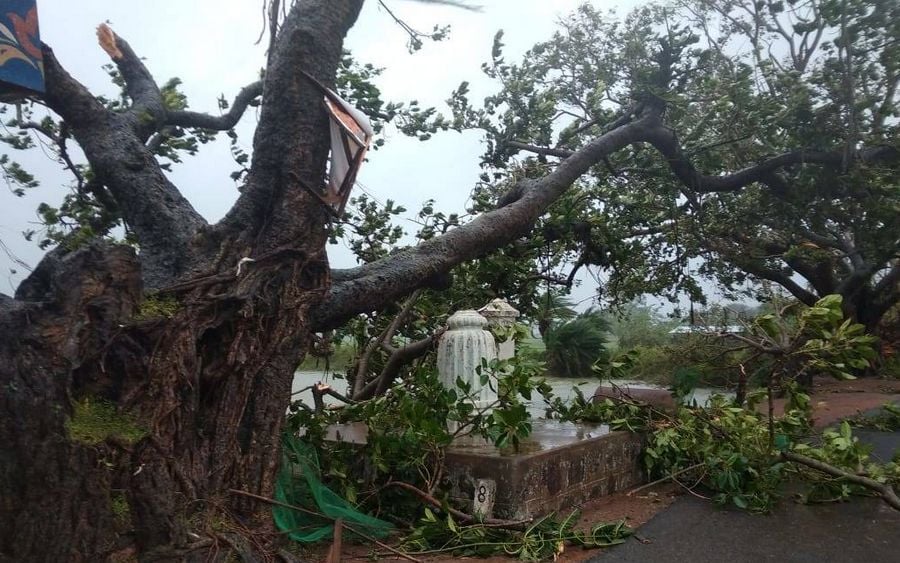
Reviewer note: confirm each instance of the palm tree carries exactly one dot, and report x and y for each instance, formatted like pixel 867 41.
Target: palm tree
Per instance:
pixel 553 307
pixel 575 346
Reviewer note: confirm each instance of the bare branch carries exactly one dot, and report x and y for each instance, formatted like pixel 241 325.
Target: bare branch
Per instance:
pixel 221 122
pixel 752 343
pixel 398 358
pixel 362 369
pixel 547 151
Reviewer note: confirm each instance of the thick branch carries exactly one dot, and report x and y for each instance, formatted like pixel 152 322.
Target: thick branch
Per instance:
pixel 221 122
pixel 398 358
pixel 856 281
pixel 759 269
pixel 163 220
pixel 805 296
pixel 291 143
pixel 665 141
pixel 374 286
pixel 890 281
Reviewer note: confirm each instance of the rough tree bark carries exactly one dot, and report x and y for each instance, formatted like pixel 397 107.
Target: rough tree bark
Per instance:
pixel 207 382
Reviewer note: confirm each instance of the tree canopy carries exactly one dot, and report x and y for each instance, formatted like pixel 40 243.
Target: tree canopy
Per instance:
pixel 771 154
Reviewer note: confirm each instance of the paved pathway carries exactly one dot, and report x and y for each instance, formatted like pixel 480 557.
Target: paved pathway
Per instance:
pixel 696 531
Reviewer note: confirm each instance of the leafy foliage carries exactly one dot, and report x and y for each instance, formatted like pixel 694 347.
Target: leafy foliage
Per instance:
pixel 545 539
pixel 741 82
pixel 734 450
pixel 409 429
pixel 818 339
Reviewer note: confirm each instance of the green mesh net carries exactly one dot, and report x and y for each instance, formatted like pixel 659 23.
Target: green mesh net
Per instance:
pixel 299 485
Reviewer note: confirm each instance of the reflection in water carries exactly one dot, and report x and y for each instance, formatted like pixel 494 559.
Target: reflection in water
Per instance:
pixel 562 387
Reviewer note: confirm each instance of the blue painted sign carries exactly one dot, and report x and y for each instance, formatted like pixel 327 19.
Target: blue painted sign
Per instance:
pixel 21 60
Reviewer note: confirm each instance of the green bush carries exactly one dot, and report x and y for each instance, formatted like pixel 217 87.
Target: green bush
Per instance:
pixel 715 362
pixel 652 364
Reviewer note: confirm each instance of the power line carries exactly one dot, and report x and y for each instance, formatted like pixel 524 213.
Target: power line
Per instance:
pixel 13 257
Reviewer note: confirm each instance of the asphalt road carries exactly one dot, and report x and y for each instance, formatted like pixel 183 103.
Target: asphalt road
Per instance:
pixel 695 531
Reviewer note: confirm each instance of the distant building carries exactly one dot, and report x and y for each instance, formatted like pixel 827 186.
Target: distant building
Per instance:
pixel 708 330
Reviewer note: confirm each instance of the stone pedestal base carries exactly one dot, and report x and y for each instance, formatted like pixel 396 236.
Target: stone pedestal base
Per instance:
pixel 559 467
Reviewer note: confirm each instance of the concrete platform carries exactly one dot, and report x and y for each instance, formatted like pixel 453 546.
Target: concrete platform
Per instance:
pixel 558 467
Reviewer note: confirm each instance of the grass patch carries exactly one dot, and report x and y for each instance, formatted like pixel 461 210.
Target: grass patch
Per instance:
pixel 94 420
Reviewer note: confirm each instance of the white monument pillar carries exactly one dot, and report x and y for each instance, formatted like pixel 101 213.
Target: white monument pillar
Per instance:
pixel 461 350
pixel 500 313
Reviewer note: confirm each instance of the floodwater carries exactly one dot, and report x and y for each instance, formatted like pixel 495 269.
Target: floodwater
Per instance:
pixel 562 387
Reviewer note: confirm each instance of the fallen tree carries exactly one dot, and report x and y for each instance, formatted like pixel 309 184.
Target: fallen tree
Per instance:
pixel 139 387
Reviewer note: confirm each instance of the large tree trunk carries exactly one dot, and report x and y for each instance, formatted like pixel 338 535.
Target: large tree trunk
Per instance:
pixel 199 398
pixel 129 415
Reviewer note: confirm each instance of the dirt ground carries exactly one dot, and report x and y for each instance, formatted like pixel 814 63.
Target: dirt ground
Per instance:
pixel 831 401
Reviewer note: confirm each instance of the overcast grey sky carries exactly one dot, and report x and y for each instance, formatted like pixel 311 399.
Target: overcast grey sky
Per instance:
pixel 210 46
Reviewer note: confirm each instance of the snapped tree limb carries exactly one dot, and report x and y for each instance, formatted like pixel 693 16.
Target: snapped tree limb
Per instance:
pixel 150 204
pixel 147 110
pixel 885 491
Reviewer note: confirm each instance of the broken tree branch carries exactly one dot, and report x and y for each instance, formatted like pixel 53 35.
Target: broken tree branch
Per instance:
pixel 375 285
pixel 885 491
pixel 161 217
pixel 148 109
